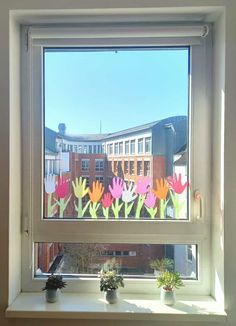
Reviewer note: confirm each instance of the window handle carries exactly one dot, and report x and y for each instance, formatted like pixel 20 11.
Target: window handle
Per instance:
pixel 198 198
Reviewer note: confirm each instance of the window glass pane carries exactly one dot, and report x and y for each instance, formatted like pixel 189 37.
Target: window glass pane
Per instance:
pixel 142 260
pixel 116 121
pixel 127 147
pixel 140 146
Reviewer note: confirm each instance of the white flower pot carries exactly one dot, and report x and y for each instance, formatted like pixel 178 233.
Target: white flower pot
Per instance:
pixel 51 295
pixel 167 297
pixel 111 296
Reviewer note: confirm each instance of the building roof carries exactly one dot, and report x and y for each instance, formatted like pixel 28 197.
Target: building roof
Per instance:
pixel 143 127
pixel 181 150
pixel 182 160
pixel 50 140
pixel 50 135
pixel 84 137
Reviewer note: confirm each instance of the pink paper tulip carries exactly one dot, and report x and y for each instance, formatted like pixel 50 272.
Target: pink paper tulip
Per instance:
pixel 143 185
pixel 117 188
pixel 150 200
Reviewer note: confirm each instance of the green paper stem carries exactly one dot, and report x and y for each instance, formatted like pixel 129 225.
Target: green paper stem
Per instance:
pixel 128 209
pixel 62 204
pixel 116 208
pixel 152 211
pixel 105 212
pixel 50 205
pixel 141 199
pixel 62 207
pixel 80 208
pixel 85 207
pixel 93 209
pixel 177 204
pixel 163 204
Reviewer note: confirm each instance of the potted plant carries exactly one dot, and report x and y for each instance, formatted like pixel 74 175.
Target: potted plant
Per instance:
pixel 168 281
pixel 109 283
pixel 161 265
pixel 54 282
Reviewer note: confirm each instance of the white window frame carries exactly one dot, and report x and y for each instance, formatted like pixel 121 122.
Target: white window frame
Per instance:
pixel 147 139
pixel 127 147
pixel 87 165
pixel 132 152
pixel 148 170
pixel 140 144
pixel 140 172
pixel 99 168
pixel 121 148
pixel 194 231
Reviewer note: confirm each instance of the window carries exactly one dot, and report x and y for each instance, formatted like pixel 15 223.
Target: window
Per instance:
pixel 132 147
pixel 190 253
pixel 99 178
pixel 121 148
pixel 146 168
pixel 51 167
pixel 116 148
pixel 140 168
pixel 176 133
pixel 140 146
pixel 126 167
pixel 127 147
pixel 110 149
pixel 87 184
pixel 131 167
pixel 110 166
pixel 99 165
pixel 85 165
pixel 119 167
pixel 115 166
pixel 130 259
pixel 148 145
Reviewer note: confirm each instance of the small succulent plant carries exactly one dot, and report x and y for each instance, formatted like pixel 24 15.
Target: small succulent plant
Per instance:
pixel 169 281
pixel 109 280
pixel 54 282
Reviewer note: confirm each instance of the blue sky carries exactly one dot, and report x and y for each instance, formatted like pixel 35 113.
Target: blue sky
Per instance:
pixel 122 89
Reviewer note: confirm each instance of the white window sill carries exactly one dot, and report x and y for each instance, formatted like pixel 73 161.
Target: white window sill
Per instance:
pixel 139 307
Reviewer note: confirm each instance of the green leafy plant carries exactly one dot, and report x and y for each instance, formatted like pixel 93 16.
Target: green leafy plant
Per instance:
pixel 162 265
pixel 54 282
pixel 169 280
pixel 109 280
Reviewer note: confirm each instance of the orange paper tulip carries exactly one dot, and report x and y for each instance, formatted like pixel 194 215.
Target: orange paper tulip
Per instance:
pixel 162 188
pixel 97 191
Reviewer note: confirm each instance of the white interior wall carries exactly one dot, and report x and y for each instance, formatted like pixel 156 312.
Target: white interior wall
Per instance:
pixel 9 124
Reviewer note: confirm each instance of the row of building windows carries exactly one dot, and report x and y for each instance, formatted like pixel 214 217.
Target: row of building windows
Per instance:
pixel 129 167
pixel 129 146
pixel 83 149
pixel 118 253
pixel 85 165
pixel 97 178
pixel 118 148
